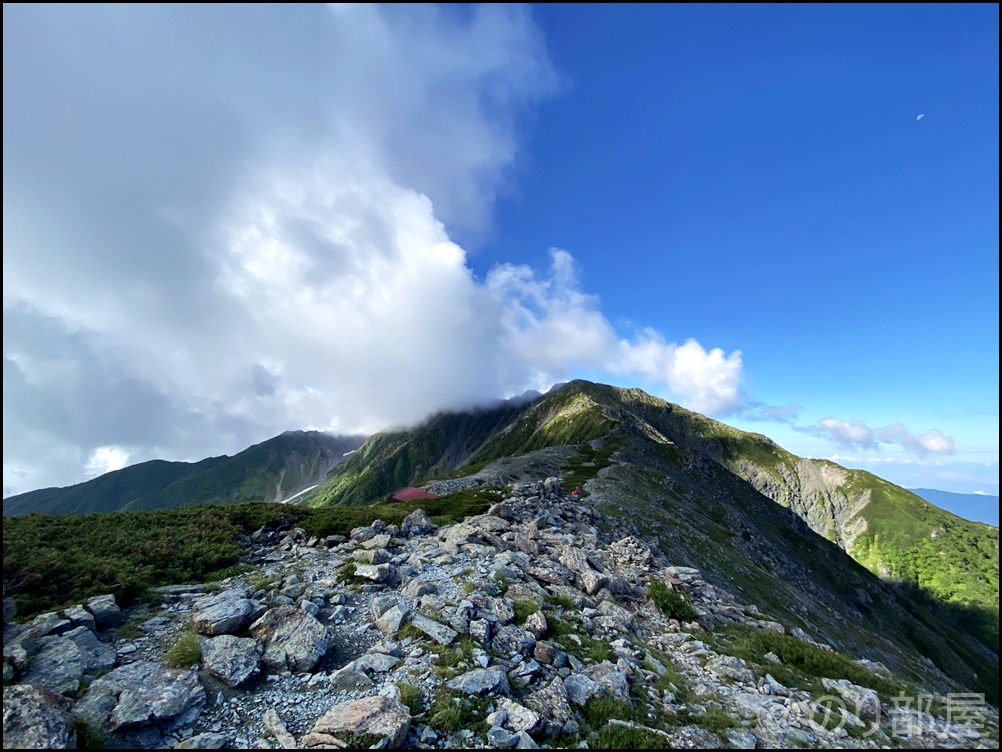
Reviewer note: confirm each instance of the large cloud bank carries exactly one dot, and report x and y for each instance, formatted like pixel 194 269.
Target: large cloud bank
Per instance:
pixel 223 223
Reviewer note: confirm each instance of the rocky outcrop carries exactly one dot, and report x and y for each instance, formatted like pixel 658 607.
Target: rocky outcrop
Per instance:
pixel 367 722
pixel 293 639
pixel 504 631
pixel 34 718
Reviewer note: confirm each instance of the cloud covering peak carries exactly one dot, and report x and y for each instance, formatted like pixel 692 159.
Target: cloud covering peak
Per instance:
pixel 222 224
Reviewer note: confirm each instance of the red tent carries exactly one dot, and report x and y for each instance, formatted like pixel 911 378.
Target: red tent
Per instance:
pixel 409 494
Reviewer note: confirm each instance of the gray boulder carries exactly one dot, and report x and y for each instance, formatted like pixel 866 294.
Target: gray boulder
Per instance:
pixel 34 718
pixel 580 689
pixel 142 693
pixel 293 639
pixel 391 620
pixel 511 640
pixel 232 660
pixel 860 701
pixel 106 611
pixel 80 617
pixel 224 613
pixel 63 661
pixel 731 667
pixel 481 681
pixel 378 716
pixel 417 523
pixel 440 633
pixel 380 573
pixel 610 678
pixel 206 741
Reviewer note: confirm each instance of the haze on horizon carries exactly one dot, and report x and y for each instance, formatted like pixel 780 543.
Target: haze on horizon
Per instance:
pixel 221 223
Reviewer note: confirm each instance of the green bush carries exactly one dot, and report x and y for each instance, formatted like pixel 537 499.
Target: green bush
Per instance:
pixel 671 603
pixel 410 695
pixel 524 609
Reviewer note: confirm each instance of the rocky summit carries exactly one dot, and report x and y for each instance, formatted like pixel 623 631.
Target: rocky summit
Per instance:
pixel 544 622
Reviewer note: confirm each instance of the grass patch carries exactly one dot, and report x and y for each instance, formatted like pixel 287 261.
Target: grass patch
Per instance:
pixel 713 720
pixel 128 632
pixel 346 573
pixel 185 652
pixel 561 601
pixel 617 737
pixel 671 603
pixel 804 665
pixel 524 609
pixel 569 636
pixel 89 737
pixel 451 711
pixel 410 695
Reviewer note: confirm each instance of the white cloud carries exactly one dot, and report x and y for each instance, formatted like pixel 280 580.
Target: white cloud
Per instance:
pixel 856 433
pixel 247 232
pixel 105 459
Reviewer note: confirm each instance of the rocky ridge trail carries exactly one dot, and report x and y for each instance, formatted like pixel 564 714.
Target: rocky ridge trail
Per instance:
pixel 535 624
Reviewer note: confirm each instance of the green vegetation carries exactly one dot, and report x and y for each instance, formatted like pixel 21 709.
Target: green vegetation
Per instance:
pixel 567 632
pixel 671 603
pixel 185 652
pixel 524 609
pixel 410 695
pixel 452 711
pixel 88 737
pixel 54 562
pixel 600 710
pixel 803 664
pixel 713 720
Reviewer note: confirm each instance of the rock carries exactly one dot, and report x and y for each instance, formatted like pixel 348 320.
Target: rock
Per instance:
pixel 206 741
pixel 64 660
pixel 381 573
pixel 9 610
pixel 46 624
pixel 348 677
pixel 224 613
pixel 481 681
pixel 417 588
pixel 617 612
pixel 552 703
pixel 80 617
pixel 511 640
pixel 417 523
pixel 732 668
pixel 106 611
pixel 610 678
pixel 526 742
pixel 378 541
pixel 501 738
pixel 536 624
pixel 378 717
pixel 740 739
pixel 275 726
pixel 393 619
pixel 377 556
pixel 293 639
pixel 860 701
pixel 591 582
pixel 232 660
pixel 440 633
pixel 140 693
pixel 35 718
pixel 378 662
pixel 519 718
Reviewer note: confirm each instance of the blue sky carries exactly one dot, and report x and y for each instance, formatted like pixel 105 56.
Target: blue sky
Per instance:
pixel 757 178
pixel 225 222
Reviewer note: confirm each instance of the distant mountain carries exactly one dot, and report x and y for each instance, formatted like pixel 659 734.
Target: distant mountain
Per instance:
pixel 975 507
pixel 273 470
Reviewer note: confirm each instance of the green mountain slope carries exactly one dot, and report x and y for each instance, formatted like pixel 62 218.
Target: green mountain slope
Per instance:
pixel 767 524
pixel 270 471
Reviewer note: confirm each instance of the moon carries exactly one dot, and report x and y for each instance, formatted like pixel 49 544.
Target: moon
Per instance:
pixel 920 117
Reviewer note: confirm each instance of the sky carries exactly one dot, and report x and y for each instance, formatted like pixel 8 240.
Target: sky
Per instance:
pixel 220 223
